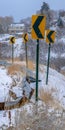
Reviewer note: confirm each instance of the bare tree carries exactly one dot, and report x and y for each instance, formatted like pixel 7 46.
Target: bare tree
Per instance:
pixel 5 22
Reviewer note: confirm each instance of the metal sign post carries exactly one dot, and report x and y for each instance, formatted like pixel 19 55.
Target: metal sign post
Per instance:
pixel 50 37
pixel 12 41
pixel 37 66
pixel 26 55
pixel 12 53
pixel 25 36
pixel 48 63
pixel 38 32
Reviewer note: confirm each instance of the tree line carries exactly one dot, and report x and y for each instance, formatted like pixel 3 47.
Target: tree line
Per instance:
pixel 4 23
pixel 45 10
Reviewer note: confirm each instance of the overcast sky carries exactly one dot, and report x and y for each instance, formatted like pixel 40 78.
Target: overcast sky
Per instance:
pixel 20 9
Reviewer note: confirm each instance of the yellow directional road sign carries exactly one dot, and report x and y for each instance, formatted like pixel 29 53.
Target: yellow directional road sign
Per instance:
pixel 38 26
pixel 12 40
pixel 50 36
pixel 25 36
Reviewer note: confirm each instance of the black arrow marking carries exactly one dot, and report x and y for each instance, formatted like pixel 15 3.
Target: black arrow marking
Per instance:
pixel 35 26
pixel 25 37
pixel 12 39
pixel 49 36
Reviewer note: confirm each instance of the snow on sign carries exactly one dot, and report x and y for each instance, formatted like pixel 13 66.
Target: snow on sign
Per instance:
pixel 12 39
pixel 50 36
pixel 38 26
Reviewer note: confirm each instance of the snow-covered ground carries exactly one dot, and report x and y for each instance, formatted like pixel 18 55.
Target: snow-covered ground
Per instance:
pixel 62 39
pixel 56 81
pixel 3 37
pixel 5 81
pixel 52 55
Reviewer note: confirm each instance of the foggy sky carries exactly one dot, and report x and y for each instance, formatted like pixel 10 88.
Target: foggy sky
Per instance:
pixel 20 9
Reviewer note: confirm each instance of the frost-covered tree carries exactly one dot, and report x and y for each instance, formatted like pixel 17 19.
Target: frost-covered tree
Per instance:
pixel 62 13
pixel 45 10
pixel 44 7
pixel 5 22
pixel 1 29
pixel 60 22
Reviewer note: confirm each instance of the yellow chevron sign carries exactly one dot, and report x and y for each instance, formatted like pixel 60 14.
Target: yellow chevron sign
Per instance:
pixel 38 26
pixel 25 36
pixel 12 40
pixel 50 36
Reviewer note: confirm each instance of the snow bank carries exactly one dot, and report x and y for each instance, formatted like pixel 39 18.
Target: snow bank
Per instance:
pixel 5 82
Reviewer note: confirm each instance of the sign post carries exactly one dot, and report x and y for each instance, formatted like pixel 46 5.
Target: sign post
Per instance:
pixel 12 41
pixel 50 37
pixel 26 56
pixel 37 68
pixel 48 63
pixel 25 41
pixel 38 32
pixel 12 53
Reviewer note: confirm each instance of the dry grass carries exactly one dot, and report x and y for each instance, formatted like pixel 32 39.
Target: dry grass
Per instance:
pixel 14 68
pixel 47 98
pixel 31 65
pixel 56 105
pixel 53 66
pixel 62 72
pixel 15 59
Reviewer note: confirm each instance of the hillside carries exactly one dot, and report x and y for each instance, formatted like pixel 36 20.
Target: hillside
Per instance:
pixel 51 99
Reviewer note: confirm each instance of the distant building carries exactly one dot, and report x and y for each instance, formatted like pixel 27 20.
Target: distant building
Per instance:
pixel 16 28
